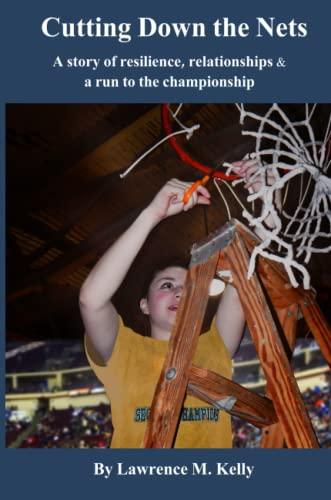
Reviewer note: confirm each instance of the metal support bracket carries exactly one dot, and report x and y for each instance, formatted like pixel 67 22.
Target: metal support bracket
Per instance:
pixel 215 242
pixel 226 403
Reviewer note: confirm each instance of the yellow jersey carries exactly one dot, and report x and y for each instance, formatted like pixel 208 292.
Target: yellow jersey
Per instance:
pixel 130 378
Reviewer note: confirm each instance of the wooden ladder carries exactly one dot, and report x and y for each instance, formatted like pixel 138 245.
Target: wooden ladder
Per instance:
pixel 281 413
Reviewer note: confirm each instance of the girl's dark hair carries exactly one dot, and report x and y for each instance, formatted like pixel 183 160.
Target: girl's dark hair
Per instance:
pixel 160 266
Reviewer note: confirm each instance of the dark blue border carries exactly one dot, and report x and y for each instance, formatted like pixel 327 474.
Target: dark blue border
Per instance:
pixel 27 77
pixel 27 60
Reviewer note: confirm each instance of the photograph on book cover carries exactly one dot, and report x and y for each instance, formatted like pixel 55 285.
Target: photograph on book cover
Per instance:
pixel 191 244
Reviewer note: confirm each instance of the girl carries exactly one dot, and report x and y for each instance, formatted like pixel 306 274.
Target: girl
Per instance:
pixel 129 364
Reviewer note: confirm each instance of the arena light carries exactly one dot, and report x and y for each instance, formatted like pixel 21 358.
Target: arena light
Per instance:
pixel 97 390
pixel 216 287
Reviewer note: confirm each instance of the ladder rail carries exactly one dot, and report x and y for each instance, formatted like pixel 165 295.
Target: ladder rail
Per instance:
pixel 227 249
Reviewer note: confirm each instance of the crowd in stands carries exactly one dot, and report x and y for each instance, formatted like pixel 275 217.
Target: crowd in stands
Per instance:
pixel 91 427
pixel 46 356
pixel 57 356
pixel 72 428
pixel 63 355
pixel 15 424
pixel 318 404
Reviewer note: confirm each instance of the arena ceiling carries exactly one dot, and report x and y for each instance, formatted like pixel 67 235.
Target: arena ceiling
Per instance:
pixel 66 203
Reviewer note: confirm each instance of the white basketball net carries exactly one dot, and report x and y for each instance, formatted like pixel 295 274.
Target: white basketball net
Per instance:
pixel 296 161
pixel 294 153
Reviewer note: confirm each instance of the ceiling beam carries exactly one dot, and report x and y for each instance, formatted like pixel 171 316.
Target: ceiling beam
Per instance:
pixel 79 256
pixel 105 184
pixel 67 157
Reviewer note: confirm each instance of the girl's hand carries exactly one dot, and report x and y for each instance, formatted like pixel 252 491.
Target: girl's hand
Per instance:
pixel 169 200
pixel 246 169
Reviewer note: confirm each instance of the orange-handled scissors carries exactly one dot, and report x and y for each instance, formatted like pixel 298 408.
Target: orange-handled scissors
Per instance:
pixel 189 191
